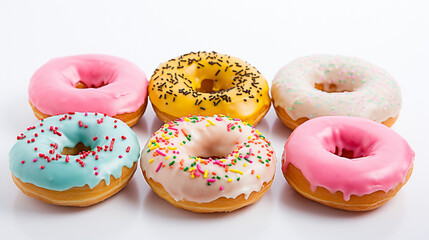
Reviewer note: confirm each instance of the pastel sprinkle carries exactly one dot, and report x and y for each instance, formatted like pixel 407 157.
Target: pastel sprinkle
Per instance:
pixel 236 171
pixel 199 169
pixel 161 153
pixel 159 166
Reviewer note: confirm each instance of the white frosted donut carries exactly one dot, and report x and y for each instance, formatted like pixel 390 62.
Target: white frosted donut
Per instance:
pixel 325 85
pixel 209 164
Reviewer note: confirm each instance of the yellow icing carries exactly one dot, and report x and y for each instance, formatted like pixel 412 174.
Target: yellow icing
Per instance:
pixel 209 84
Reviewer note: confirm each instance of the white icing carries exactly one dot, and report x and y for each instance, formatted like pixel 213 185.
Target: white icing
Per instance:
pixel 210 140
pixel 363 90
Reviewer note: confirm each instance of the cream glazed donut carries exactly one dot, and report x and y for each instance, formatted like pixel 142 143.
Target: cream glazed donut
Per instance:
pixel 208 164
pixel 330 85
pixel 349 163
pixel 89 83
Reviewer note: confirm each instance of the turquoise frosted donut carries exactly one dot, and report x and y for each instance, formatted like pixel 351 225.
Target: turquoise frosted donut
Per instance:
pixel 37 159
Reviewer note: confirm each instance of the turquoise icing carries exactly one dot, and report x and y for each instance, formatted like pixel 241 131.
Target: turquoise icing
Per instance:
pixel 58 174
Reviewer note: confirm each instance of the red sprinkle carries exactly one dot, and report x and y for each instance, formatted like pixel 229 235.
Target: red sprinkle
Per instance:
pixel 95 168
pixel 22 161
pixel 120 156
pixel 95 138
pixel 67 158
pixel 128 149
pixel 86 126
pixel 123 137
pixel 42 167
pixel 80 123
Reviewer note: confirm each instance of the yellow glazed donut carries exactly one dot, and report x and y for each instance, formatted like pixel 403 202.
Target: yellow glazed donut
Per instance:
pixel 208 83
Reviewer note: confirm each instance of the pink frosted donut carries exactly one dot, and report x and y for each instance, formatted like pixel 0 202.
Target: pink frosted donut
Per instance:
pixel 89 83
pixel 346 162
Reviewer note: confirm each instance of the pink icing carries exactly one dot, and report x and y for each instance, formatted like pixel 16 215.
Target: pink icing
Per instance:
pixel 381 158
pixel 115 85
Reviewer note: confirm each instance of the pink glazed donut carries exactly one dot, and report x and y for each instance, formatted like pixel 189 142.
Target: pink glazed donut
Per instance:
pixel 89 83
pixel 345 162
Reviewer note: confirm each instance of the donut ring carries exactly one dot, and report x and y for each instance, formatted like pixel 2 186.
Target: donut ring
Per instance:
pixel 327 85
pixel 208 84
pixel 51 163
pixel 348 163
pixel 89 83
pixel 208 164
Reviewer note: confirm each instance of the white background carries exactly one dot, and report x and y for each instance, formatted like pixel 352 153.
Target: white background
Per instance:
pixel 267 34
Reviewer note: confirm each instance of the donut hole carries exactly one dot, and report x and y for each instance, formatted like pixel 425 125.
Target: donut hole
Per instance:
pixel 92 74
pixel 211 86
pixel 210 143
pixel 207 86
pixel 348 143
pixel 213 150
pixel 329 88
pixel 209 79
pixel 80 147
pixel 336 80
pixel 82 85
pixel 350 154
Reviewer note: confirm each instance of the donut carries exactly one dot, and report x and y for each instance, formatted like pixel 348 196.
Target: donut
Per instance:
pixel 329 85
pixel 75 159
pixel 89 83
pixel 208 164
pixel 348 163
pixel 208 83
